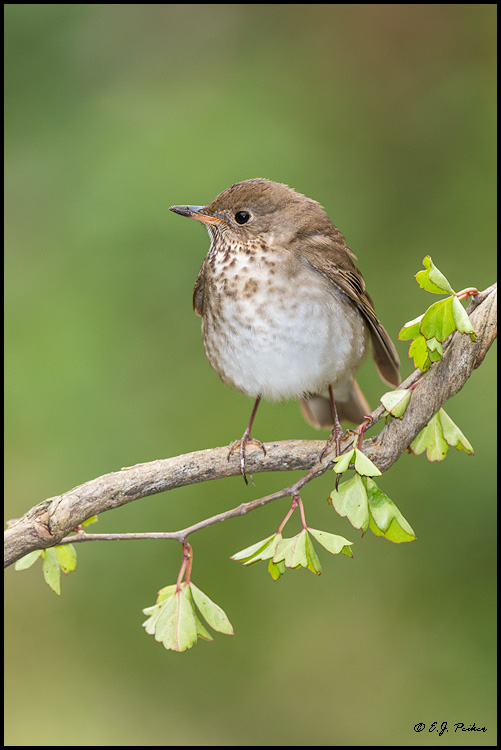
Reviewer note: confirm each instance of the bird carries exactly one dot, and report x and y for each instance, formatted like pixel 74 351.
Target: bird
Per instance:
pixel 285 311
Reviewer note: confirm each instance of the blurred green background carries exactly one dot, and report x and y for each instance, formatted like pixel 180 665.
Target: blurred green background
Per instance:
pixel 386 115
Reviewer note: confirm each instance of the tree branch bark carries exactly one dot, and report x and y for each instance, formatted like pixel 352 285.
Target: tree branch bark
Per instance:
pixel 49 522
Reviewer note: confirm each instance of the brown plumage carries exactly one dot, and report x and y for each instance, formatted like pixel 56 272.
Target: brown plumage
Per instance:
pixel 285 312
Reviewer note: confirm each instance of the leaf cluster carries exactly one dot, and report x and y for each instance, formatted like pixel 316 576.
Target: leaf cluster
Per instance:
pixel 361 501
pixel 430 330
pixel 294 552
pixel 56 560
pixel 176 619
pixel 436 437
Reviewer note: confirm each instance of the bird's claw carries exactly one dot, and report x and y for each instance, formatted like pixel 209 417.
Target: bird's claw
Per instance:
pixel 241 445
pixel 335 437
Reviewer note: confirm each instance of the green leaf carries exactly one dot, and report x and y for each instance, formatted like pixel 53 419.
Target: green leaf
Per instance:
pixel 396 402
pixel 263 550
pixel 435 349
pixel 51 571
pixel 461 319
pixel 28 560
pixel 311 554
pixel 438 320
pixel 332 542
pixel 431 440
pixel 453 435
pixel 253 550
pixel 280 550
pixel 292 551
pixel 164 616
pixel 213 614
pixel 296 552
pixel 437 278
pixel 432 279
pixel 411 329
pixel 186 626
pixel 202 631
pixel 386 519
pixel 173 622
pixel 154 613
pixel 350 500
pixel 90 521
pixel 166 592
pixel 342 462
pixel 297 555
pixel 364 465
pixel 176 627
pixel 267 552
pixel 67 557
pixel 420 353
pixel 276 569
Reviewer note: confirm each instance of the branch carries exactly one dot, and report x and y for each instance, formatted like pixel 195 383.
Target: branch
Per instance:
pixel 50 522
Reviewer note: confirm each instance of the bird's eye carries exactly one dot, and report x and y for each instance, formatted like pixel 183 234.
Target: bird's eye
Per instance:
pixel 242 217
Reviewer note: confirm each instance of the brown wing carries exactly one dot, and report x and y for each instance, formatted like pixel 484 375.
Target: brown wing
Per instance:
pixel 198 291
pixel 330 257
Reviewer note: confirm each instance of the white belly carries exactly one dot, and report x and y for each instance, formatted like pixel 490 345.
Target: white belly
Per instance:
pixel 267 341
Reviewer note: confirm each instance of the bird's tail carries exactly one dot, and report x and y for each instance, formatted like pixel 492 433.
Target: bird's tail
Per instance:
pixel 351 407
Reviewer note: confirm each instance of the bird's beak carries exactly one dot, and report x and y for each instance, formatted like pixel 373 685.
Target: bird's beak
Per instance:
pixel 195 212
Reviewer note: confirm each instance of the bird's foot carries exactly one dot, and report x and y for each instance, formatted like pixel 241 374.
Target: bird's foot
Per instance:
pixel 334 439
pixel 241 444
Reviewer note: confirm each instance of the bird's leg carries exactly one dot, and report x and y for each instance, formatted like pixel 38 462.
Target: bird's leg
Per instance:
pixel 337 430
pixel 245 440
